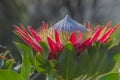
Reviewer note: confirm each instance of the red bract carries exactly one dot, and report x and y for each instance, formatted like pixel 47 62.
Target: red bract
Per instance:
pixel 34 34
pixel 86 44
pixel 73 38
pixel 99 34
pixel 23 33
pixel 79 40
pixel 55 47
pixel 106 36
pixel 57 38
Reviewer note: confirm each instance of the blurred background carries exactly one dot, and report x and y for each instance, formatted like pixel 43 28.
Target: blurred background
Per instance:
pixel 33 12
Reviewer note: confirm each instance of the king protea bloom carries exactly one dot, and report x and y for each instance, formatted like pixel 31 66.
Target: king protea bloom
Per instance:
pixel 57 39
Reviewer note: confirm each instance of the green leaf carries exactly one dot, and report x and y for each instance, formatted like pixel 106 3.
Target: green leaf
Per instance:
pixel 40 63
pixel 51 75
pixel 43 65
pixel 8 64
pixel 97 60
pixel 116 37
pixel 53 63
pixel 110 76
pixel 67 62
pixel 114 57
pixel 116 67
pixel 25 52
pixel 9 75
pixel 46 67
pixel 94 59
pixel 45 50
pixel 83 64
pixel 104 59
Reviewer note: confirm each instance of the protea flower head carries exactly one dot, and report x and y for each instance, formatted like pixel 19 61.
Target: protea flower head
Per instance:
pixel 69 25
pixel 56 38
